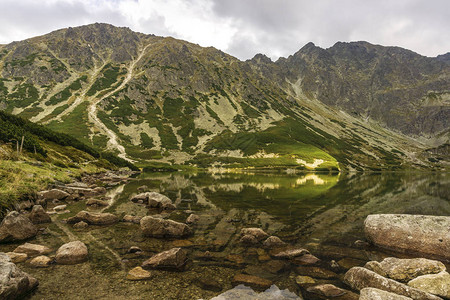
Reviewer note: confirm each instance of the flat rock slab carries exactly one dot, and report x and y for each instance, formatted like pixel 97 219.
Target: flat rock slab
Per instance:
pixel 54 194
pixel 93 218
pixel 359 278
pixel 438 284
pixel 376 294
pixel 16 227
pixel 17 257
pixel 404 270
pixel 72 253
pixel 32 249
pixel 41 261
pixel 415 234
pixel 174 258
pixel 327 290
pixel 291 253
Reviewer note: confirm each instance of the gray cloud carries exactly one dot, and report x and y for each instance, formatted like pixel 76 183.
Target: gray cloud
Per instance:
pixel 244 28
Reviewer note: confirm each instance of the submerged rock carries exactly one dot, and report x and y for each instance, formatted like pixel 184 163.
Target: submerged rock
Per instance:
pixel 39 216
pixel 93 218
pixel 16 227
pixel 131 219
pixel 255 282
pixel 273 242
pixel 153 200
pixel 72 253
pixel 359 278
pixel 157 227
pixel 138 274
pixel 174 258
pixel 14 284
pixel 41 261
pixel 258 233
pixel 376 294
pixel 404 270
pixel 438 284
pixel 327 290
pixel 32 249
pixel 291 253
pixel 427 235
pixel 80 225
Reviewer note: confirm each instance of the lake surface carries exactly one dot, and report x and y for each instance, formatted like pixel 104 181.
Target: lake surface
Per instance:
pixel 322 213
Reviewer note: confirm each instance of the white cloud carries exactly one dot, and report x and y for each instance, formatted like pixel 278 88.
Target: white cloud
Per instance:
pixel 244 28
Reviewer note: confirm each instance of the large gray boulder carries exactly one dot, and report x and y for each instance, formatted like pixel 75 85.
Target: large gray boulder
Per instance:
pixel 174 258
pixel 93 218
pixel 54 194
pixel 72 253
pixel 358 278
pixel 14 284
pixel 157 227
pixel 415 234
pixel 405 269
pixel 16 227
pixel 438 284
pixel 376 294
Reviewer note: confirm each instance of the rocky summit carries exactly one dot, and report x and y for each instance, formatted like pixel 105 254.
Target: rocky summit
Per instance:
pixel 145 97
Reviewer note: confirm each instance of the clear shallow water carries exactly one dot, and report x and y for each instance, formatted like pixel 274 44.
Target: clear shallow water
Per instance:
pixel 322 213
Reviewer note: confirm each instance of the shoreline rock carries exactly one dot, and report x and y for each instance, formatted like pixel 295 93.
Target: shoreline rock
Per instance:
pixel 16 227
pixel 14 283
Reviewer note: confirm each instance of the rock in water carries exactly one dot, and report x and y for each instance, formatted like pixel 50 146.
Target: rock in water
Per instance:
pixel 438 284
pixel 273 242
pixel 138 274
pixel 258 233
pixel 93 218
pixel 242 292
pixel 359 278
pixel 376 294
pixel 14 284
pixel 72 253
pixel 41 261
pixel 39 216
pixel 16 227
pixel 154 200
pixel 54 194
pixel 427 235
pixel 174 258
pixel 404 270
pixel 327 290
pixel 32 249
pixel 163 228
pixel 17 257
pixel 255 282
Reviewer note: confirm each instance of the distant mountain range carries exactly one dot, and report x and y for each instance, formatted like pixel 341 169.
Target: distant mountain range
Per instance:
pixel 352 106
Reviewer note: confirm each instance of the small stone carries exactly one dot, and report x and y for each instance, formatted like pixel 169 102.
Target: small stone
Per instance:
pixel 80 225
pixel 131 219
pixel 32 249
pixel 304 281
pixel 306 260
pixel 289 254
pixel 437 284
pixel 134 249
pixel 327 290
pixel 60 207
pixel 255 282
pixel 17 257
pixel 72 253
pixel 41 261
pixel 96 202
pixel 192 219
pixel 138 274
pixel 273 242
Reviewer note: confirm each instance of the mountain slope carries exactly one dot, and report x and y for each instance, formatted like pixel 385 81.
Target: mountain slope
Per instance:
pixel 148 97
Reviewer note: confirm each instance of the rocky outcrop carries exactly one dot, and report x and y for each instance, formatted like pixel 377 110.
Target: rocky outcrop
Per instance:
pixel 174 258
pixel 157 227
pixel 404 270
pixel 72 253
pixel 38 215
pixel 426 235
pixel 376 294
pixel 438 284
pixel 359 278
pixel 14 284
pixel 93 218
pixel 16 227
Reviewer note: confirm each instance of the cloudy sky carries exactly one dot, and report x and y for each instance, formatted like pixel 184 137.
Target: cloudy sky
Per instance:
pixel 246 27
